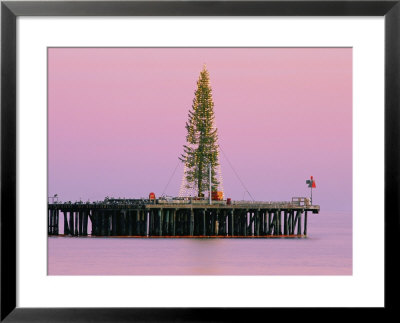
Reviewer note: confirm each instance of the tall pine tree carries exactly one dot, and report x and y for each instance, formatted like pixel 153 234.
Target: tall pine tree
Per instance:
pixel 201 148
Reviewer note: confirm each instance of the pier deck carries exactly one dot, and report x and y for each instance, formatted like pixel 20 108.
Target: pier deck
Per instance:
pixel 163 218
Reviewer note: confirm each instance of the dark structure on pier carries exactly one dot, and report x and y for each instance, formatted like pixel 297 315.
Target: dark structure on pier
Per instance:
pixel 171 218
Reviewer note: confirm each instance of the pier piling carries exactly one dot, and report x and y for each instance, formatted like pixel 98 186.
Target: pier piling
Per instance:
pixel 305 223
pixel 187 220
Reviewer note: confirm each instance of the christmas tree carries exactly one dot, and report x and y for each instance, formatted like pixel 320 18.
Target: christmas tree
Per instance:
pixel 201 149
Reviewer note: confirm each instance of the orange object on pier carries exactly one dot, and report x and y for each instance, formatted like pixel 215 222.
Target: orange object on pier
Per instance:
pixel 217 196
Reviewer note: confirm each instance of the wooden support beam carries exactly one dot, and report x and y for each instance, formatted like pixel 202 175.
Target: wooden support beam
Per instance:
pixel 52 218
pixel 295 221
pixel 210 223
pixel 253 222
pixel 92 220
pixel 216 219
pixel 232 233
pixel 114 223
pixel 171 222
pixel 50 222
pixel 98 221
pixel 247 223
pixel 278 221
pixel 204 222
pixel 103 229
pixel 80 222
pixel 221 223
pixel 102 223
pixel 90 215
pixel 71 223
pixel 142 229
pixel 137 223
pixel 157 221
pixel 257 223
pixel 54 223
pixel 184 220
pixel 166 223
pixel 56 217
pixel 239 223
pixel 299 212
pixel 141 223
pixel 292 222
pixel 76 222
pixel 150 221
pixel 271 224
pixel 177 218
pixel 238 219
pixel 130 221
pixel 188 222
pixel 191 222
pixel 285 223
pixel 305 223
pixel 100 230
pixel 224 222
pixel 85 222
pixel 160 222
pixel 227 222
pixel 99 226
pixel 174 223
pixel 180 222
pixel 147 224
pixel 95 223
pixel 244 223
pixel 196 231
pixel 122 223
pixel 57 214
pixel 108 222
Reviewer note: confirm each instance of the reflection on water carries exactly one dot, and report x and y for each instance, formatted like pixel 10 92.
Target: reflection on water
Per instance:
pixel 326 251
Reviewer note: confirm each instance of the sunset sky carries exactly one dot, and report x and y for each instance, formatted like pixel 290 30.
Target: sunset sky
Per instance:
pixel 116 121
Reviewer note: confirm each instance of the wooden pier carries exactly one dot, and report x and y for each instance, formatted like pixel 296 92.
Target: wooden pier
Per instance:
pixel 174 220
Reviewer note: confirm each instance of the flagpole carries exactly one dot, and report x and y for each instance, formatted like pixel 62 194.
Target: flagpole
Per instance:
pixel 311 184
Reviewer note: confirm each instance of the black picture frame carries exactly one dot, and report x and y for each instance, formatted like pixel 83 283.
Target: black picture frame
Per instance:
pixel 10 10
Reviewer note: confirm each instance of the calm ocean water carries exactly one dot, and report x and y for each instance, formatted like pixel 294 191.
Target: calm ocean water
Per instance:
pixel 326 251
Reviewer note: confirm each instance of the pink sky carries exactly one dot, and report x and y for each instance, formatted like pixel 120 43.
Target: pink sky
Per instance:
pixel 117 120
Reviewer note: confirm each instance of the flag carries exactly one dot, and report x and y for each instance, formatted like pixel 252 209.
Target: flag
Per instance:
pixel 311 183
